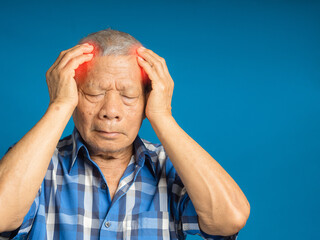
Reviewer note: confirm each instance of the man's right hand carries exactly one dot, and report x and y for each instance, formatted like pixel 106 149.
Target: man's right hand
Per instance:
pixel 28 160
pixel 60 76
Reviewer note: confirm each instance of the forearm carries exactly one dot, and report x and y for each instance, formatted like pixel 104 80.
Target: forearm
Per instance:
pixel 218 200
pixel 23 168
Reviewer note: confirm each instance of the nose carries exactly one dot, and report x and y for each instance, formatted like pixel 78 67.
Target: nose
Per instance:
pixel 111 108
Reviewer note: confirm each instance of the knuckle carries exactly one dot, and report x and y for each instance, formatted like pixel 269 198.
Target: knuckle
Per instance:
pixel 62 53
pixel 67 55
pixel 48 73
pixel 72 62
pixel 58 68
pixel 162 87
pixel 62 72
pixel 157 63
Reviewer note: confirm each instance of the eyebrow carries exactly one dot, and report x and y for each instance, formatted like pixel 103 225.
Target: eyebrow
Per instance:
pixel 120 87
pixel 126 87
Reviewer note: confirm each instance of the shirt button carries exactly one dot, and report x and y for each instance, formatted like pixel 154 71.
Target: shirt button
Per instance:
pixel 104 186
pixel 107 224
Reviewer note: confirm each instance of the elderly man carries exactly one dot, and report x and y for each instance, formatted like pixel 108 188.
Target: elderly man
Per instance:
pixel 104 181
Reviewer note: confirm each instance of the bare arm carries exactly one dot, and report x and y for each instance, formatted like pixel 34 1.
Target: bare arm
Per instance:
pixel 219 202
pixel 221 206
pixel 23 168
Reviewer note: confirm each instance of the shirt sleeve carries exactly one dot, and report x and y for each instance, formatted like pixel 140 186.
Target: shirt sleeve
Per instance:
pixel 186 218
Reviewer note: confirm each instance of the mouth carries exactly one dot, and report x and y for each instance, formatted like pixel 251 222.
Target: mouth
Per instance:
pixel 107 134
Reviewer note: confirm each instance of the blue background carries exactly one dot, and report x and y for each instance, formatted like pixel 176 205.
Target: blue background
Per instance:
pixel 247 88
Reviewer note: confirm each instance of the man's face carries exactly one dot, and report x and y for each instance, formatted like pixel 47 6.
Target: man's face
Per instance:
pixel 111 104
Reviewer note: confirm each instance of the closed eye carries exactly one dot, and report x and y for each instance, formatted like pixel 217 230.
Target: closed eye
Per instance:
pixel 129 99
pixel 94 97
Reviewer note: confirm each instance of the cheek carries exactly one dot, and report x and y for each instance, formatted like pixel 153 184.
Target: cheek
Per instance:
pixel 84 114
pixel 136 112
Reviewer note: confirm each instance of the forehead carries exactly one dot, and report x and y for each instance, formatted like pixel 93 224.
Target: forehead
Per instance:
pixel 119 71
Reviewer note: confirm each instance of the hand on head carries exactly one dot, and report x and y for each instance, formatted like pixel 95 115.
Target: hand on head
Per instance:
pixel 160 96
pixel 60 76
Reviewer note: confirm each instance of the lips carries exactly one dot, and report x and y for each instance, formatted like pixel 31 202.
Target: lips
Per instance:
pixel 103 131
pixel 107 133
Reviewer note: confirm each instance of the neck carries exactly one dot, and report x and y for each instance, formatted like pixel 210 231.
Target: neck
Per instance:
pixel 113 161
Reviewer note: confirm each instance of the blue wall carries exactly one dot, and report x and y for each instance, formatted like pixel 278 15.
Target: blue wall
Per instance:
pixel 247 88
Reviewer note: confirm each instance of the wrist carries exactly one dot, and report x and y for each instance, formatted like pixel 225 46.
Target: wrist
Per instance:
pixel 62 106
pixel 161 122
pixel 159 118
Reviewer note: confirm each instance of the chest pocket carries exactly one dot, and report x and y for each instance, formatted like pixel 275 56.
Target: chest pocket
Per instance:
pixel 147 225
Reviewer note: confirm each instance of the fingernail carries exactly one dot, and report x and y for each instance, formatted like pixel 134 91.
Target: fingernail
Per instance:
pixel 140 58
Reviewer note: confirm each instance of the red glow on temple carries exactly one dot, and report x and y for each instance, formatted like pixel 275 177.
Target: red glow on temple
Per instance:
pixel 145 78
pixel 134 51
pixel 81 71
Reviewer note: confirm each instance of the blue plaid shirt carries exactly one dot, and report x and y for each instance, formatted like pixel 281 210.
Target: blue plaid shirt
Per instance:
pixel 73 201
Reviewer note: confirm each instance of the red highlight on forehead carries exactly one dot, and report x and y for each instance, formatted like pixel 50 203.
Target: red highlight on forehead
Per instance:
pixel 96 48
pixel 134 51
pixel 82 70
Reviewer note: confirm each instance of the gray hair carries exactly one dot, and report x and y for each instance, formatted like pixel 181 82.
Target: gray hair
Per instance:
pixel 112 42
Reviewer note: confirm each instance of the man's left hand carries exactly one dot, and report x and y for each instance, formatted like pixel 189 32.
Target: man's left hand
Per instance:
pixel 159 99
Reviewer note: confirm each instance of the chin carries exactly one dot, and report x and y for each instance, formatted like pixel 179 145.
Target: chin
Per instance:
pixel 108 146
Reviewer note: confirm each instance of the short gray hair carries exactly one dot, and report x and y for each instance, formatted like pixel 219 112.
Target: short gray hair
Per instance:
pixel 112 42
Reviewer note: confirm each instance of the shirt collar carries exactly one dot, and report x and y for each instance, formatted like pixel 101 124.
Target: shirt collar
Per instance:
pixel 141 153
pixel 78 144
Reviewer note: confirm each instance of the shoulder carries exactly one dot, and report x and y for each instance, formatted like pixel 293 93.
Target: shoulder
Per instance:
pixel 155 149
pixel 65 144
pixel 64 151
pixel 159 156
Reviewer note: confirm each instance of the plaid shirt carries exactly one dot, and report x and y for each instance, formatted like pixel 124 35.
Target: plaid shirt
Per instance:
pixel 73 201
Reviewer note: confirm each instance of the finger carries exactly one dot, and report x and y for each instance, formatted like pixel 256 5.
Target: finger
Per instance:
pixel 61 55
pixel 147 68
pixel 82 49
pixel 74 63
pixel 143 52
pixel 165 76
pixel 153 59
